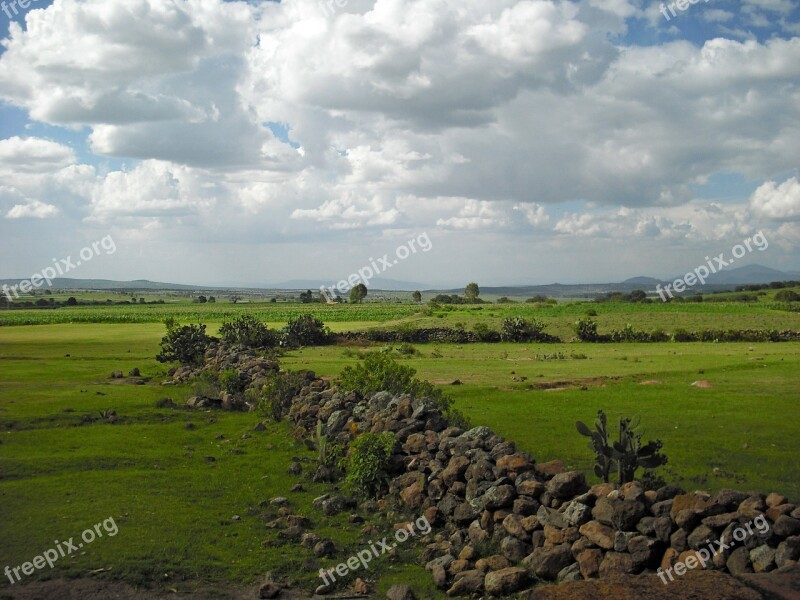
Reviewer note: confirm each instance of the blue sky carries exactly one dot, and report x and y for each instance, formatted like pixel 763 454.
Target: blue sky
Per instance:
pixel 251 143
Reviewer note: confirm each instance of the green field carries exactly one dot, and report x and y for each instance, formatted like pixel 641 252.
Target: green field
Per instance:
pixel 62 468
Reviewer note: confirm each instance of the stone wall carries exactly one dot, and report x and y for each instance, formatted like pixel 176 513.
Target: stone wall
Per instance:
pixel 504 524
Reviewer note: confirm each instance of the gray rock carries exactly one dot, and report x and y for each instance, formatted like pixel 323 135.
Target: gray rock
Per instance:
pixel 567 485
pixel 763 558
pixel 400 591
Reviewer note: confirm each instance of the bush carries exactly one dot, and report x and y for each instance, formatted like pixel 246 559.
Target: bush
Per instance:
pixel 485 333
pixel 231 381
pixel 368 464
pixel 787 296
pixel 305 330
pixel 586 330
pixel 378 372
pixel 206 385
pixel 518 329
pixel 276 395
pixel 248 331
pixel 186 344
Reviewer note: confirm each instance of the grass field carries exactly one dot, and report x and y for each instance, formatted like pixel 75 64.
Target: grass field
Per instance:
pixel 62 469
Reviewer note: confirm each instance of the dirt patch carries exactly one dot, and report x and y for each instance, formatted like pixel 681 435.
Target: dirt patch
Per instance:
pixel 650 382
pixel 702 384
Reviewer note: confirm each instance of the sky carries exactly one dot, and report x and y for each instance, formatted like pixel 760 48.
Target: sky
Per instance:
pixel 532 142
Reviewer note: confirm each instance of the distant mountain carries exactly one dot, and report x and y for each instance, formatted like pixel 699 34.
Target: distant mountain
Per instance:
pixel 722 280
pixel 641 282
pixel 753 274
pixel 375 284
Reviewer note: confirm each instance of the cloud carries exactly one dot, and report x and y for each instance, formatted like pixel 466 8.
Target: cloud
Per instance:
pixel 34 155
pixel 34 210
pixel 778 201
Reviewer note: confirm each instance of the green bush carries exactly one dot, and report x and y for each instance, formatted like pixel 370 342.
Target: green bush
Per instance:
pixel 518 329
pixel 232 382
pixel 186 344
pixel 787 296
pixel 306 330
pixel 276 395
pixel 368 465
pixel 378 372
pixel 587 330
pixel 248 331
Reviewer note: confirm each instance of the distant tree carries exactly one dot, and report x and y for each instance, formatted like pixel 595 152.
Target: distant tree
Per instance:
pixel 273 300
pixel 71 301
pixel 211 300
pixel 235 299
pixel 141 300
pixel 638 296
pixel 48 293
pixel 417 297
pixel 42 302
pixel 202 299
pixel 306 297
pixel 133 300
pixel 472 291
pixel 358 293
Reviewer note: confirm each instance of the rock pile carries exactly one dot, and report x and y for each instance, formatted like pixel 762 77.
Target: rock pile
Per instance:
pixel 252 368
pixel 505 523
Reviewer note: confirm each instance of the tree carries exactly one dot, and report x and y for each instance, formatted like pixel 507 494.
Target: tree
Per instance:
pixel 358 293
pixel 235 299
pixel 306 297
pixel 417 297
pixel 472 291
pixel 141 300
pixel 71 301
pixel 211 300
pixel 202 299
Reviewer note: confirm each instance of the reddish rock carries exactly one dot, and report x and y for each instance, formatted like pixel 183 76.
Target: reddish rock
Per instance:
pixel 599 534
pixel 616 563
pixel 775 500
pixel 553 467
pixel 467 583
pixel 506 581
pixel 590 561
pixel 514 463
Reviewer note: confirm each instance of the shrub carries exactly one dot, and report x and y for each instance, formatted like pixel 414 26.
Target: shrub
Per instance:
pixel 231 381
pixel 186 344
pixel 248 331
pixel 485 333
pixel 406 349
pixel 586 330
pixel 206 385
pixel 305 330
pixel 681 335
pixel 378 372
pixel 277 393
pixel 787 296
pixel 518 329
pixel 368 465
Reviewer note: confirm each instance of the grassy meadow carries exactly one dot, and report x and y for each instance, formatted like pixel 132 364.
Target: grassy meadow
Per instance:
pixel 175 480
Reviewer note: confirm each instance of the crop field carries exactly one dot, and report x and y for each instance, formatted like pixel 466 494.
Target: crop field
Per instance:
pixel 188 490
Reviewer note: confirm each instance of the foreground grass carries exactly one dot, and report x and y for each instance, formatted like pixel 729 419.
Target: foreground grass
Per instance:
pixel 173 504
pixel 61 473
